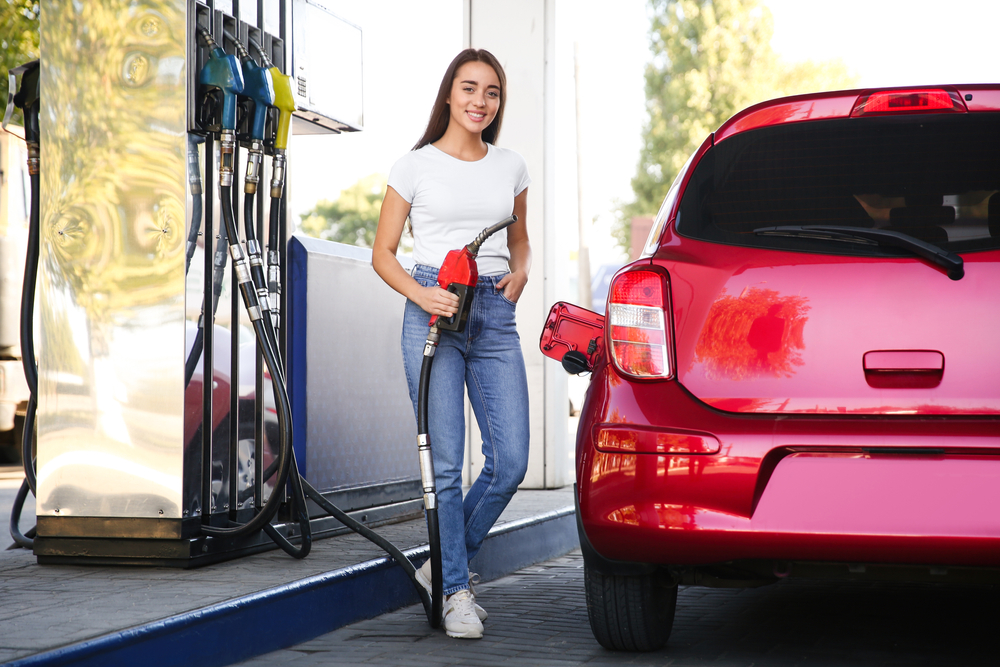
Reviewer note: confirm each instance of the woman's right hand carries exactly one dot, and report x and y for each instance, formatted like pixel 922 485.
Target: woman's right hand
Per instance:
pixel 436 301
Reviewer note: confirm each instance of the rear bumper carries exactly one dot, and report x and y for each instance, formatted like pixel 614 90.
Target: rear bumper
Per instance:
pixel 862 490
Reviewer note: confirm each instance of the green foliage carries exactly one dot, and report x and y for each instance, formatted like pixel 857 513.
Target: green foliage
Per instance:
pixel 352 218
pixel 710 60
pixel 18 38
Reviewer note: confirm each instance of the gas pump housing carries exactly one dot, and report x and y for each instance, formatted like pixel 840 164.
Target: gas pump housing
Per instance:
pixel 132 460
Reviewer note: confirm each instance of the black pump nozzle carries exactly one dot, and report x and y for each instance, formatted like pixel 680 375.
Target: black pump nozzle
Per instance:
pixel 27 99
pixel 28 92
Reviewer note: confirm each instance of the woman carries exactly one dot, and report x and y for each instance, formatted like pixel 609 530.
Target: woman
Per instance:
pixel 453 184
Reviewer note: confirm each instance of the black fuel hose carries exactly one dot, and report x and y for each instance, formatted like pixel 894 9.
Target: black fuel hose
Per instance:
pixel 29 364
pixel 274 256
pixel 248 207
pixel 257 264
pixel 27 443
pixel 196 213
pixel 197 197
pixel 20 540
pixel 270 508
pixel 27 332
pixel 430 506
pixel 286 455
pixel 28 293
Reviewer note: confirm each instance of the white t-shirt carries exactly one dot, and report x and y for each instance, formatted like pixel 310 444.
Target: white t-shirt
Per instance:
pixel 452 200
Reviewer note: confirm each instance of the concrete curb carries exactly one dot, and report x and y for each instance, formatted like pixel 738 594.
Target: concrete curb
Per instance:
pixel 252 625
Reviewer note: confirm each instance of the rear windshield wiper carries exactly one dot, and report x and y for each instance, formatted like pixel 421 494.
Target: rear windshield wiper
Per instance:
pixel 949 261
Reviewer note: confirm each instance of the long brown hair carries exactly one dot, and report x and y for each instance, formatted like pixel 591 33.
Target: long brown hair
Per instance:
pixel 440 112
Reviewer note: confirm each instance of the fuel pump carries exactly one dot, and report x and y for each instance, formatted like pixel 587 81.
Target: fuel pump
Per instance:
pixel 223 75
pixel 27 99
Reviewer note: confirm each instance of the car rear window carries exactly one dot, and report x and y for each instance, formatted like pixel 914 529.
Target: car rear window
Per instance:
pixel 935 177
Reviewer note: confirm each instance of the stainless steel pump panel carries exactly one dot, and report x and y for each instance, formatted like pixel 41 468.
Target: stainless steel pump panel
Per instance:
pixel 110 340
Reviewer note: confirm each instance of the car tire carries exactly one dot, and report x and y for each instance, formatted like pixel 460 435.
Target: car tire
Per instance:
pixel 630 612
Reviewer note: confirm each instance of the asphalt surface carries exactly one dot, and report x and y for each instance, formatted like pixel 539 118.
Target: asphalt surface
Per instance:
pixel 538 616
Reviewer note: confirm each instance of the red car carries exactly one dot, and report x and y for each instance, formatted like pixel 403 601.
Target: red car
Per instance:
pixel 801 374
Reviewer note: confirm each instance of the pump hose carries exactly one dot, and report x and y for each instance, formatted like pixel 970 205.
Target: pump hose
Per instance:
pixel 301 510
pixel 248 201
pixel 28 334
pixel 197 203
pixel 433 529
pixel 257 264
pixel 30 370
pixel 20 540
pixel 273 225
pixel 286 456
pixel 490 231
pixel 192 241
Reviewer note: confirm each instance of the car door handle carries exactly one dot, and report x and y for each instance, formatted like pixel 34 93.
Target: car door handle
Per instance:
pixel 903 369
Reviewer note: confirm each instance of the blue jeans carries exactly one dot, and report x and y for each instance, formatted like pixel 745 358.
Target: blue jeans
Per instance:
pixel 487 359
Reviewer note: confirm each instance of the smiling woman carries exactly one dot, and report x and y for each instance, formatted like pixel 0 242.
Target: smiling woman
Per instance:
pixel 454 183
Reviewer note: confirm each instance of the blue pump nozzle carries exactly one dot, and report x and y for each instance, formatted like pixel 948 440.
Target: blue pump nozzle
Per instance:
pixel 258 86
pixel 222 72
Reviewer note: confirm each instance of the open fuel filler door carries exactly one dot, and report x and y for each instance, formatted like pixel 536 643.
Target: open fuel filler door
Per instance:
pixel 573 336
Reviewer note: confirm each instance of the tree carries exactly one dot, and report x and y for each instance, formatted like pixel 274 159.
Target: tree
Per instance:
pixel 352 218
pixel 18 38
pixel 711 59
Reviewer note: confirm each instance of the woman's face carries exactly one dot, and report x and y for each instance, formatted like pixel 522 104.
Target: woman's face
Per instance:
pixel 475 97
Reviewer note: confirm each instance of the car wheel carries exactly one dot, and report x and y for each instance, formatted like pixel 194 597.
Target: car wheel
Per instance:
pixel 630 613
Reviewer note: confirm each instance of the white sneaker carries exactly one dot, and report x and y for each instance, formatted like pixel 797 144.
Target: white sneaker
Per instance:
pixel 460 618
pixel 424 578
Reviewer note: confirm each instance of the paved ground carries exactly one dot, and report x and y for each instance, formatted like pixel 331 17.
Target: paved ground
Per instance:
pixel 538 616
pixel 84 602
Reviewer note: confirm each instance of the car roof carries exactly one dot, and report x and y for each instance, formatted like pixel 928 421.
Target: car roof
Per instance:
pixel 840 104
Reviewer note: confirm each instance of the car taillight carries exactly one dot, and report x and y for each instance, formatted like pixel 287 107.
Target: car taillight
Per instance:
pixel 640 341
pixel 908 101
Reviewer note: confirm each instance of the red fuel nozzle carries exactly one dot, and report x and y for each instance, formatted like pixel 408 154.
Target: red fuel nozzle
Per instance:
pixel 459 274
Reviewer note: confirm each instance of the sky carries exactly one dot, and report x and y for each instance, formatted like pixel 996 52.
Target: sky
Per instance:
pixel 894 42
pixel 408 44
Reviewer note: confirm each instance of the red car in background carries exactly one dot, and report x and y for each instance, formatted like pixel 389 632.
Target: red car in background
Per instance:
pixel 801 374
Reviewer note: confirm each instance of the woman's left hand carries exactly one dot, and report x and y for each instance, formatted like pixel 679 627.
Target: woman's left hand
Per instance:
pixel 513 284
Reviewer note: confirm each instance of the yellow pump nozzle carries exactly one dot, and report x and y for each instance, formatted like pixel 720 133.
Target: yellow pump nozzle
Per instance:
pixel 284 102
